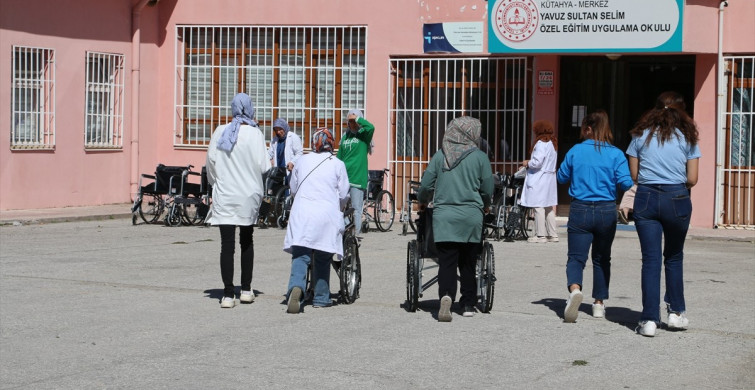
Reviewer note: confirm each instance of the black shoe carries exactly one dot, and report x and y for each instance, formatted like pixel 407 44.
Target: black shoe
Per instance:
pixel 468 311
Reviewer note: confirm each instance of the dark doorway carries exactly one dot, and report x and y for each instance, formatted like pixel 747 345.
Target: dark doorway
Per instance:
pixel 625 88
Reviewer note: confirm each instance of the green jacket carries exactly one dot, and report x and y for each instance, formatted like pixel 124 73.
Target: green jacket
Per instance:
pixel 460 195
pixel 353 152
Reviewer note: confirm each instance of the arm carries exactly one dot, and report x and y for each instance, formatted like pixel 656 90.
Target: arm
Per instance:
pixel 271 151
pixel 343 184
pixel 296 149
pixel 692 170
pixel 623 176
pixel 538 157
pixel 366 130
pixel 486 186
pixel 212 151
pixel 563 175
pixel 634 167
pixel 427 186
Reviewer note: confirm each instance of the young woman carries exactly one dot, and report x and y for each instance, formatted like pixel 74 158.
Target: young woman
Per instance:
pixel 540 183
pixel 663 159
pixel 593 168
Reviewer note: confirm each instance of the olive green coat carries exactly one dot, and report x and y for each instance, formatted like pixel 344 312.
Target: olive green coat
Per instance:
pixel 460 195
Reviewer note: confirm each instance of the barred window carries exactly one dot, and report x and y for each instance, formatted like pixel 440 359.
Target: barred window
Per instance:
pixel 104 101
pixel 33 98
pixel 311 76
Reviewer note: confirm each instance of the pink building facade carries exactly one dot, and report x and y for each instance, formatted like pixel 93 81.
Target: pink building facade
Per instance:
pixel 94 93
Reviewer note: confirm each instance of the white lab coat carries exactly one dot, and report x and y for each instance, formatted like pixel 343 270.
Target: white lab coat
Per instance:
pixel 291 151
pixel 316 219
pixel 540 184
pixel 236 177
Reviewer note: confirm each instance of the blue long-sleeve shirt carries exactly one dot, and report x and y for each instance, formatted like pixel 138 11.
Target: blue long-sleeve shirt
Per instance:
pixel 594 173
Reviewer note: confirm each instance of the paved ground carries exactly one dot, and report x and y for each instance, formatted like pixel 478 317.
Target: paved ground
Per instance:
pixel 99 303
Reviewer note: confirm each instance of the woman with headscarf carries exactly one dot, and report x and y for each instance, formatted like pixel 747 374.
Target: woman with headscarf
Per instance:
pixel 320 186
pixel 235 162
pixel 285 146
pixel 539 190
pixel 353 150
pixel 459 182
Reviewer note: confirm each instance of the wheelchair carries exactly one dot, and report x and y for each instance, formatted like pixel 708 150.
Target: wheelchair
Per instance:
pixel 412 187
pixel 276 203
pixel 423 248
pixel 508 220
pixel 349 269
pixel 379 206
pixel 170 190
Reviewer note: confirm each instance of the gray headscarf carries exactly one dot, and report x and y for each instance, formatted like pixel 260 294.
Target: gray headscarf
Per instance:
pixel 461 138
pixel 242 110
pixel 359 114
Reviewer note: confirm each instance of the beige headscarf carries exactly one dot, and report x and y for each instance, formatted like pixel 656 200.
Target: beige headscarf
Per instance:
pixel 462 135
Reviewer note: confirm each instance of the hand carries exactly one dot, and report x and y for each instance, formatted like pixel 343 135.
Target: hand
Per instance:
pixel 525 163
pixel 290 166
pixel 421 206
pixel 486 210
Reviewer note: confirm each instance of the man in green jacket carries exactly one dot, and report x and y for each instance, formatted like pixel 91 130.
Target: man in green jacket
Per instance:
pixel 459 182
pixel 353 150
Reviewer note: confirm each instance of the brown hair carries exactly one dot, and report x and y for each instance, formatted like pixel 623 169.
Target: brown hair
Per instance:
pixel 597 121
pixel 667 115
pixel 543 130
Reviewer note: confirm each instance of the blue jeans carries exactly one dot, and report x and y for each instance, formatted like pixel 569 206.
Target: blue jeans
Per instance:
pixel 662 211
pixel 357 202
pixel 301 257
pixel 591 223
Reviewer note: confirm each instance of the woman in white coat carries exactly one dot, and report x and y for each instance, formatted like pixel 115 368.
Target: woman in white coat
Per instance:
pixel 236 159
pixel 285 147
pixel 320 186
pixel 540 184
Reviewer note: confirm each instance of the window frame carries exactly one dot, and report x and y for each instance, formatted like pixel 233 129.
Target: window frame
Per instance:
pixel 104 79
pixel 33 76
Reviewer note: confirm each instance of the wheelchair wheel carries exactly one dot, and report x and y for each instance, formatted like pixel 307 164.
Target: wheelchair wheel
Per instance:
pixel 385 211
pixel 486 277
pixel 412 276
pixel 151 207
pixel 350 273
pixel 528 221
pixel 412 223
pixel 278 205
pixel 500 222
pixel 191 211
pixel 173 217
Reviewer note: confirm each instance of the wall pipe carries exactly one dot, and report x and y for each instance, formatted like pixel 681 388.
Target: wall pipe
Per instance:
pixel 720 132
pixel 136 12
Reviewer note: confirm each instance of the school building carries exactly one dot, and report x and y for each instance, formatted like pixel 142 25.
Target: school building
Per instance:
pixel 93 93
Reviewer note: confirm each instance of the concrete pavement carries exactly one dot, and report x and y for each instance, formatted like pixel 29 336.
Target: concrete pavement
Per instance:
pixel 100 303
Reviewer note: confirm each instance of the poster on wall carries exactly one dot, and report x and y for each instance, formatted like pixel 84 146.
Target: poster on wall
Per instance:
pixel 584 26
pixel 453 37
pixel 545 82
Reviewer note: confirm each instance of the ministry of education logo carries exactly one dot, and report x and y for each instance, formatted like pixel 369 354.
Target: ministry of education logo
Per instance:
pixel 514 20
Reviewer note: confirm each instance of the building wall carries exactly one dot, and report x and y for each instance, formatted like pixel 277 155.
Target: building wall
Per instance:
pixel 70 176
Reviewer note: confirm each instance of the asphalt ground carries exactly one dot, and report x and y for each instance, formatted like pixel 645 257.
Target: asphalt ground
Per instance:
pixel 93 304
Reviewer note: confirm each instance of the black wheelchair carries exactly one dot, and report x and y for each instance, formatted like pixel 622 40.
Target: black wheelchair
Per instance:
pixel 171 191
pixel 423 248
pixel 275 205
pixel 508 220
pixel 379 206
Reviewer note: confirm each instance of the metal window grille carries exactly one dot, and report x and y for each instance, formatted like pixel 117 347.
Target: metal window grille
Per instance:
pixel 104 101
pixel 311 76
pixel 426 94
pixel 33 98
pixel 737 175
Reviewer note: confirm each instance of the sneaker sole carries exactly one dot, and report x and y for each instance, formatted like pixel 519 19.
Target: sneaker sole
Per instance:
pixel 444 314
pixel 227 305
pixel 572 309
pixel 468 314
pixel 244 299
pixel 293 300
pixel 639 331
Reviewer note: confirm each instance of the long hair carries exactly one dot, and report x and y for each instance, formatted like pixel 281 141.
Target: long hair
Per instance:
pixel 543 130
pixel 601 133
pixel 667 115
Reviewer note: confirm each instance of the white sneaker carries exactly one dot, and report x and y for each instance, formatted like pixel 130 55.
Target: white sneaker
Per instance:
pixel 677 321
pixel 646 328
pixel 552 239
pixel 598 310
pixel 227 302
pixel 572 306
pixel 537 240
pixel 246 296
pixel 444 314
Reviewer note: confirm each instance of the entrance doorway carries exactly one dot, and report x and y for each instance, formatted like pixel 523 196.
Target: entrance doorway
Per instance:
pixel 625 88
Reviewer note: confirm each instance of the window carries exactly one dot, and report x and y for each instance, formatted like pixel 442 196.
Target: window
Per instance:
pixel 104 101
pixel 33 98
pixel 311 76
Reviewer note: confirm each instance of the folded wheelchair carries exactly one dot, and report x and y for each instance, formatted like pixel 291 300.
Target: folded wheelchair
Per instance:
pixel 509 220
pixel 171 191
pixel 423 248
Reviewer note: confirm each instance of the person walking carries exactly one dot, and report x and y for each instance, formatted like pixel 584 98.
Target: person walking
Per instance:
pixel 593 168
pixel 320 185
pixel 285 146
pixel 539 190
pixel 459 182
pixel 235 163
pixel 663 159
pixel 353 149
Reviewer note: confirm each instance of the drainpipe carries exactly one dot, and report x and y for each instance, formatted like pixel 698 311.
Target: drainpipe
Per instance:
pixel 720 132
pixel 136 12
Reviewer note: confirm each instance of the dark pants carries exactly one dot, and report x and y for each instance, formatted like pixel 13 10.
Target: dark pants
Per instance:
pixel 227 250
pixel 464 256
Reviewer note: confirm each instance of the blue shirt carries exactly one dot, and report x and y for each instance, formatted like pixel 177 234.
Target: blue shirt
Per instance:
pixel 594 173
pixel 662 164
pixel 281 153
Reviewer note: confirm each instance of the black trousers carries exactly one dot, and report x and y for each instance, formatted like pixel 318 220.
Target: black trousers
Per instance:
pixel 227 250
pixel 464 256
